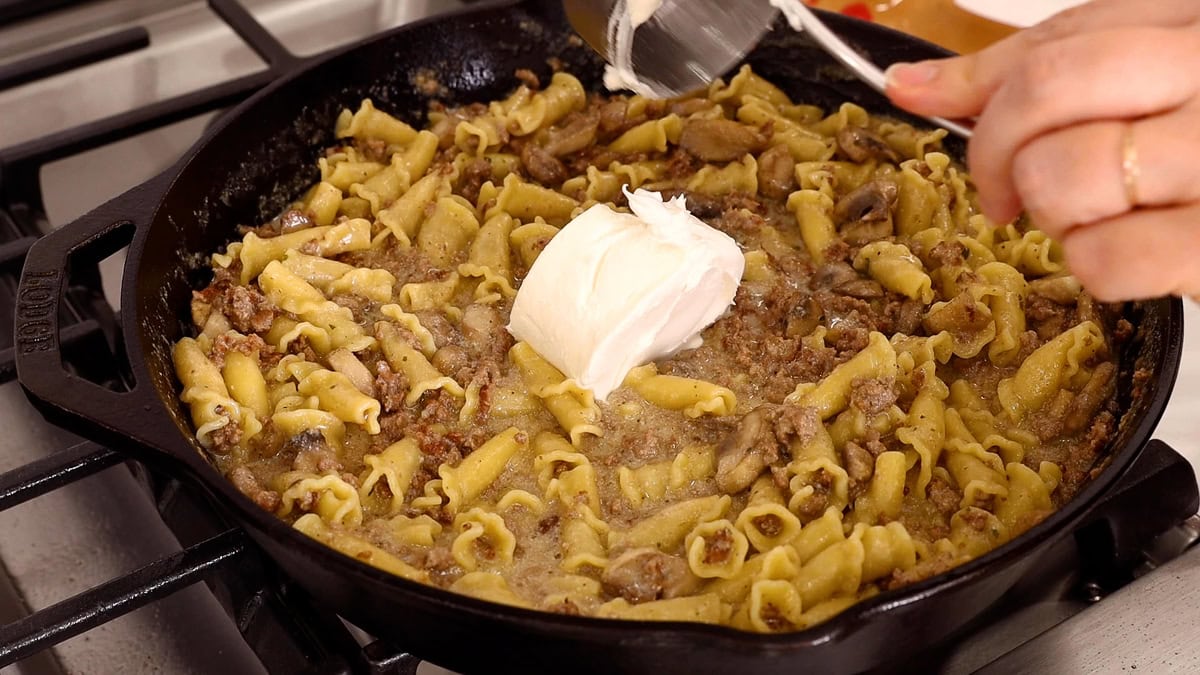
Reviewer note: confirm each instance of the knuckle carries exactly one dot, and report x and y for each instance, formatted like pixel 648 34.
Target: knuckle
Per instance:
pixel 1129 259
pixel 1071 21
pixel 1063 24
pixel 980 164
pixel 1034 179
pixel 1037 77
pixel 1060 181
pixel 1090 258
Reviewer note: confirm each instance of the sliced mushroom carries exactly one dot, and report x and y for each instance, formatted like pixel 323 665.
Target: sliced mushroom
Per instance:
pixel 746 452
pixel 613 116
pixel 1050 423
pixel 860 144
pixel 690 106
pixel 873 200
pixel 1063 290
pixel 574 136
pixel 542 165
pixel 865 213
pixel 645 574
pixel 862 288
pixel 308 440
pixel 720 140
pixel 831 275
pixel 345 362
pixel 312 452
pixel 294 221
pixel 776 172
pixel 482 328
pixel 843 279
pixel 699 205
pixel 804 318
pixel 1093 395
pixel 450 359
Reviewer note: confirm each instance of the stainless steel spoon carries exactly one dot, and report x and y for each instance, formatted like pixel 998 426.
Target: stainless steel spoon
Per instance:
pixel 688 43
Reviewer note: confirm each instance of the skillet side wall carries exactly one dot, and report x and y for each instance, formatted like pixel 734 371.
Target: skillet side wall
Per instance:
pixel 247 170
pixel 495 641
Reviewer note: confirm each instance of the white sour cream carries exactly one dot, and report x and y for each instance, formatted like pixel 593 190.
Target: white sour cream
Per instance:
pixel 640 11
pixel 613 291
pixel 626 17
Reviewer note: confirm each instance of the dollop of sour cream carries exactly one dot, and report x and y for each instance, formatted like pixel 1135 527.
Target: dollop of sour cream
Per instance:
pixel 613 291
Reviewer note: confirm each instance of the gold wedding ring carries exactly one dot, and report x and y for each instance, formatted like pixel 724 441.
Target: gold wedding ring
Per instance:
pixel 1130 169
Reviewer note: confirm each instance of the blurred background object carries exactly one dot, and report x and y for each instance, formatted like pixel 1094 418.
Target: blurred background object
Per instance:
pixel 939 21
pixel 1019 13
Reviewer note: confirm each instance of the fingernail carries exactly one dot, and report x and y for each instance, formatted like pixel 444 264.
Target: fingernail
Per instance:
pixel 911 74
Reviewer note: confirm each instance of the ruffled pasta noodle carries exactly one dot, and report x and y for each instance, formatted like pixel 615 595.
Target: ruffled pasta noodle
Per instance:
pixel 901 385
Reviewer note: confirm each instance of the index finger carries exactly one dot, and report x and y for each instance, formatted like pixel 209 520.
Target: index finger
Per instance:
pixel 961 86
pixel 1118 75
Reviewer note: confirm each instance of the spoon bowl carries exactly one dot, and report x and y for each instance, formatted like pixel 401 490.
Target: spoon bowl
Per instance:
pixel 686 44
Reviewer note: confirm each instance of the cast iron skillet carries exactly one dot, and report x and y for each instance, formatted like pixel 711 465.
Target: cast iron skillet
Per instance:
pixel 256 159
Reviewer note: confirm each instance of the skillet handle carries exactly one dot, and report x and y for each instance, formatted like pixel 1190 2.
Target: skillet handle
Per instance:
pixel 108 416
pixel 1122 535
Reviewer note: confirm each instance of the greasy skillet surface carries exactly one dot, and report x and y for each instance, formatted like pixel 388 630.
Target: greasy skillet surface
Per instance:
pixel 249 167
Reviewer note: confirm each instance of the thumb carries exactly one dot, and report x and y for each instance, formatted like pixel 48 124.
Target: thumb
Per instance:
pixel 953 87
pixel 961 86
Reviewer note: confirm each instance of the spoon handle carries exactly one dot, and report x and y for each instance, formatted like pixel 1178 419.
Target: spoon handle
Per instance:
pixel 801 19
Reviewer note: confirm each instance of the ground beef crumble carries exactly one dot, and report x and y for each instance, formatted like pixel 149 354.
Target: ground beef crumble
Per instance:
pixel 718 547
pixel 243 479
pixel 390 387
pixel 873 395
pixel 247 310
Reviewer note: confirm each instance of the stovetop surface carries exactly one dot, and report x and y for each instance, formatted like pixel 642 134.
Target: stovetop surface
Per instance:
pixel 88 532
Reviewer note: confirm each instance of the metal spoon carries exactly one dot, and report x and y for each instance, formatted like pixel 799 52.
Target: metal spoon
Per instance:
pixel 802 19
pixel 685 45
pixel 688 43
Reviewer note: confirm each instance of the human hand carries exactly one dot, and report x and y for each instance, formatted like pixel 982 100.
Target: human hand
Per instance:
pixel 1091 123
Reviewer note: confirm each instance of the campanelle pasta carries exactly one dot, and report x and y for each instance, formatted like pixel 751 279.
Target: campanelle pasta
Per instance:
pixel 900 385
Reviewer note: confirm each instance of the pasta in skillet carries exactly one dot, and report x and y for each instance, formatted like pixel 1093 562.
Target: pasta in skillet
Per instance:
pixel 900 386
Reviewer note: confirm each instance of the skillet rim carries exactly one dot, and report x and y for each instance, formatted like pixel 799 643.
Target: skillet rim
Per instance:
pixel 188 452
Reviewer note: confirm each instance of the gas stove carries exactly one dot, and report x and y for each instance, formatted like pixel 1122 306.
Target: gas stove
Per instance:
pixel 102 561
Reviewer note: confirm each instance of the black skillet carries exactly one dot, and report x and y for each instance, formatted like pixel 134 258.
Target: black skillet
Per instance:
pixel 247 167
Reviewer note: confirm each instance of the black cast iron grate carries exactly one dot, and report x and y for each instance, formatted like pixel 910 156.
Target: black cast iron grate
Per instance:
pixel 278 621
pixel 16 10
pixel 285 630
